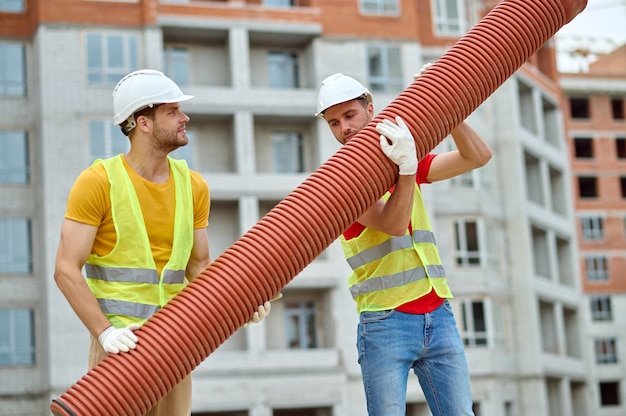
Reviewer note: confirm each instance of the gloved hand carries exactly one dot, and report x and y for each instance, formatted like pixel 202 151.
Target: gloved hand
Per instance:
pixel 402 148
pixel 422 70
pixel 114 340
pixel 263 311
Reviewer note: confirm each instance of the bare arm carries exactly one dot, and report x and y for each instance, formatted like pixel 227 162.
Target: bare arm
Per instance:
pixel 200 257
pixel 472 152
pixel 393 216
pixel 74 248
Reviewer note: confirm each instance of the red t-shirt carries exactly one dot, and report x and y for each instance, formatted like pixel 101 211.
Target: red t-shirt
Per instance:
pixel 430 301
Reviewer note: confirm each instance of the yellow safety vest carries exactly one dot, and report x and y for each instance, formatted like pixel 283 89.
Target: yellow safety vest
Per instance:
pixel 125 281
pixel 388 271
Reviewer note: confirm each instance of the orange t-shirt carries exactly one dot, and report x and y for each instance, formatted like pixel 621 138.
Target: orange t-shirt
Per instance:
pixel 89 203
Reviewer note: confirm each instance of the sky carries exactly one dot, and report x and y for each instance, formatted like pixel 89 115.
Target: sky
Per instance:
pixel 599 28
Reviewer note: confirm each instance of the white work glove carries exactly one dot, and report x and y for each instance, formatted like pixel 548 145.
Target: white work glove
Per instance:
pixel 402 148
pixel 422 70
pixel 114 340
pixel 263 311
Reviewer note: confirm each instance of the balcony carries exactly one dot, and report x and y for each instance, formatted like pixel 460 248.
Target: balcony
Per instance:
pixel 296 12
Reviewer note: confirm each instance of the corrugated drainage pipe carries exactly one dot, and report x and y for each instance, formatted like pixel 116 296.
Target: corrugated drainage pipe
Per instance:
pixel 267 257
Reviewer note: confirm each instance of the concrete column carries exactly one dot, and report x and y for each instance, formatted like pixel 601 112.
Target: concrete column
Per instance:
pixel 327 144
pixel 245 160
pixel 239 51
pixel 566 396
pixel 248 217
pixel 152 47
pixel 248 212
pixel 260 410
pixel 560 329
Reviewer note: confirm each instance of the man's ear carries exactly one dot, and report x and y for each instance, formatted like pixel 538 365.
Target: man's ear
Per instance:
pixel 143 123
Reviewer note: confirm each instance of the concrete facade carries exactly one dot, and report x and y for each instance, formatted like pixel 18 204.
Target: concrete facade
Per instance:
pixel 507 233
pixel 594 107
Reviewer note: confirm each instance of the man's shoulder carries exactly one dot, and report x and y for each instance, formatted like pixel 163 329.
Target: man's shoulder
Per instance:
pixel 197 178
pixel 423 167
pixel 94 173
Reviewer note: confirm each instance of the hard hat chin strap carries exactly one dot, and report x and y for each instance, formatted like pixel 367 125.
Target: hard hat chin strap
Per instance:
pixel 130 124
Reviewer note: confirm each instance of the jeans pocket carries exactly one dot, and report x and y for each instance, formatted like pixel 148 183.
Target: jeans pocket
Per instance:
pixel 367 317
pixel 447 307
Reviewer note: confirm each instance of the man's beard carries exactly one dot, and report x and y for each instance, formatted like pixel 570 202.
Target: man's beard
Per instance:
pixel 166 140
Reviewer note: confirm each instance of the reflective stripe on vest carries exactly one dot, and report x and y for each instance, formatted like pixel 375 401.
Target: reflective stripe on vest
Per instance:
pixel 394 243
pixel 389 271
pixel 121 308
pixel 396 280
pixel 130 275
pixel 125 281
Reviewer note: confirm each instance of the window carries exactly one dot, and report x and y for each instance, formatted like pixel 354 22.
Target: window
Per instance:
pixel 620 147
pixel 593 227
pixel 465 180
pixel 551 126
pixel 609 393
pixel 622 186
pixel 304 411
pixel 475 178
pixel 282 68
pixel 416 409
pixel 596 268
pixel 535 188
pixel 527 107
pixel 300 324
pixel 15 6
pixel 385 68
pixel 177 64
pixel 617 108
pixel 583 148
pixel 579 107
pixel 278 3
pixel 379 7
pixel 106 140
pixel 287 152
pixel 110 57
pixel 448 18
pixel 482 323
pixel 15 246
pixel 508 409
pixel 476 244
pixel 601 308
pixel 467 248
pixel 14 158
pixel 17 337
pixel 474 324
pixel 605 351
pixel 587 187
pixel 12 69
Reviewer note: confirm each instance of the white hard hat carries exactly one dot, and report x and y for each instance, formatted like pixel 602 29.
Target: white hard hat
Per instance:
pixel 141 89
pixel 338 88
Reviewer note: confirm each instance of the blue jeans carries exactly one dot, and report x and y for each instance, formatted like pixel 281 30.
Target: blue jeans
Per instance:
pixel 390 343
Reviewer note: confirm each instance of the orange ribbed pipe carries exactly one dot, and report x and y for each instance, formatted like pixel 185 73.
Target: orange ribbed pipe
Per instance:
pixel 223 297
